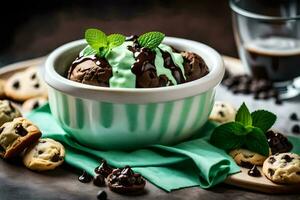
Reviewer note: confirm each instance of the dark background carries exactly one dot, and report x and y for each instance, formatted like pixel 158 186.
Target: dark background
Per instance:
pixel 34 28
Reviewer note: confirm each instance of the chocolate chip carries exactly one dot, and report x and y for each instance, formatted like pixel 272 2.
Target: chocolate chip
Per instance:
pixel 40 152
pixel 33 76
pixel 16 85
pixel 85 177
pixel 294 117
pixel 271 160
pixel 278 142
pixel 20 130
pixel 296 129
pixel 254 172
pixel 1 129
pixel 56 158
pixel 287 158
pixel 298 173
pixel 36 105
pixel 99 180
pixel 104 169
pixel 37 85
pixel 101 195
pixel 271 172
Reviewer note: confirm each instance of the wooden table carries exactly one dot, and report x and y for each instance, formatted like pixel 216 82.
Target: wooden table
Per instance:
pixel 19 183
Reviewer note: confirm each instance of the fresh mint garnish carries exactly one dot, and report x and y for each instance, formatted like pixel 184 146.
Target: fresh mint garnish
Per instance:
pixel 100 43
pixel 247 131
pixel 243 115
pixel 151 40
pixel 87 51
pixel 263 119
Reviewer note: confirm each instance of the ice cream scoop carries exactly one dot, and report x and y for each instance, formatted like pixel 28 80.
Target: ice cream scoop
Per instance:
pixel 132 66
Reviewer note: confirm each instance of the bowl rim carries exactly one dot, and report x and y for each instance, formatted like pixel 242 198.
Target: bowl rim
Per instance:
pixel 137 95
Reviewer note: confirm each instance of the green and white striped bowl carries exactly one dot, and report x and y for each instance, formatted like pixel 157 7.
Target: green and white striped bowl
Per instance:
pixel 128 118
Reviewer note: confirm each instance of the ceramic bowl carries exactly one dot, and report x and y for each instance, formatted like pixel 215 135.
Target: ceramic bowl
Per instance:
pixel 129 118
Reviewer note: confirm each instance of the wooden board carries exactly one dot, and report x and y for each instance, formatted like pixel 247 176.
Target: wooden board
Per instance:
pixel 242 179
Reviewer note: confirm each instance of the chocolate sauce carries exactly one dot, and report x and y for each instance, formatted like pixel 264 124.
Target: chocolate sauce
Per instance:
pixel 85 177
pixel 98 75
pixel 144 68
pixel 175 70
pixel 254 172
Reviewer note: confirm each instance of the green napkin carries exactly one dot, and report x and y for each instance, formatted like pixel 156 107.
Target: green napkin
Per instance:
pixel 191 163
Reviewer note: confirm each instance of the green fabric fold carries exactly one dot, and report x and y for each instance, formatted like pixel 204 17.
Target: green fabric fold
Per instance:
pixel 191 163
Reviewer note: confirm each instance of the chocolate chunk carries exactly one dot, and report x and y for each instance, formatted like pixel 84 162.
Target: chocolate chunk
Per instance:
pixel 104 169
pixel 287 158
pixel 40 152
pixel 296 129
pixel 125 181
pixel 36 105
pixel 101 195
pixel 271 160
pixel 16 85
pixel 85 177
pixel 56 158
pixel 294 117
pixel 99 180
pixel 254 172
pixel 221 113
pixel 1 129
pixel 20 130
pixel 37 85
pixel 278 142
pixel 271 172
pixel 33 76
pixel 298 173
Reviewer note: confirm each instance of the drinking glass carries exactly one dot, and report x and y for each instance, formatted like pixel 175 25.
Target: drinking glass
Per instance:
pixel 267 34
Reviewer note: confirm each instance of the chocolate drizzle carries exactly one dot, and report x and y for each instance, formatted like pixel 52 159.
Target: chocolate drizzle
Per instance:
pixel 144 68
pixel 175 70
pixel 95 71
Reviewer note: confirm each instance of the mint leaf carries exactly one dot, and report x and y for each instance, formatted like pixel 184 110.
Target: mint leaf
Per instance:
pixel 263 119
pixel 95 38
pixel 243 115
pixel 115 40
pixel 87 51
pixel 151 40
pixel 228 136
pixel 256 141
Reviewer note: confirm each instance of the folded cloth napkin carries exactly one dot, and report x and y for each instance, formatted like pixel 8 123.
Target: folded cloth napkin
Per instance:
pixel 191 163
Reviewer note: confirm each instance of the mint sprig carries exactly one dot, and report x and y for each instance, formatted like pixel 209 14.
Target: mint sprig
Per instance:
pixel 151 40
pixel 247 131
pixel 100 42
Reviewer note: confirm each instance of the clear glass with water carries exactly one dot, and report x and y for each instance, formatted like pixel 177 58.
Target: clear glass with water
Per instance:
pixel 267 34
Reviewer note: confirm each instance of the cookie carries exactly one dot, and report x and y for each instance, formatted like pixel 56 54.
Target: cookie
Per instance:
pixel 33 103
pixel 17 135
pixel 283 168
pixel 8 112
pixel 222 112
pixel 125 181
pixel 46 154
pixel 247 158
pixel 2 93
pixel 25 85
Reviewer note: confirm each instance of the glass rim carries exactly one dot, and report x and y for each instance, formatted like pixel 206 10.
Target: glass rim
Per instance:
pixel 252 15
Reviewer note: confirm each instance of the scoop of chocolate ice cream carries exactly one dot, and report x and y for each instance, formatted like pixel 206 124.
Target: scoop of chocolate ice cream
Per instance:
pixel 194 66
pixel 90 70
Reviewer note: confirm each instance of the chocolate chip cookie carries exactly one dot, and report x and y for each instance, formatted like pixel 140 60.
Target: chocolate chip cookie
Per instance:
pixel 17 135
pixel 247 158
pixel 222 112
pixel 25 85
pixel 46 154
pixel 33 103
pixel 8 111
pixel 283 168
